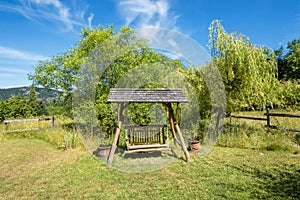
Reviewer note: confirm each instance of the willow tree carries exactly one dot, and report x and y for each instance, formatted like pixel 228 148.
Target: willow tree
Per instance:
pixel 248 71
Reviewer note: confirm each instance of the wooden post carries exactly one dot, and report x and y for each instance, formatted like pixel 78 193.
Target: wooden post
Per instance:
pixel 6 126
pixel 114 145
pixel 177 113
pixel 186 153
pixel 172 122
pixel 268 116
pixel 52 122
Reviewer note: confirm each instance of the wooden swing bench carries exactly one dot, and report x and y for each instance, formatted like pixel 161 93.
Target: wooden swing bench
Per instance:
pixel 146 138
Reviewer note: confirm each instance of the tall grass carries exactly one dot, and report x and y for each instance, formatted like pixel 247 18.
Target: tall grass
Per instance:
pixel 250 134
pixel 246 134
pixel 61 135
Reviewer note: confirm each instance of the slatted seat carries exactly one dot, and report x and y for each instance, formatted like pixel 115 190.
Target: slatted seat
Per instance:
pixel 146 138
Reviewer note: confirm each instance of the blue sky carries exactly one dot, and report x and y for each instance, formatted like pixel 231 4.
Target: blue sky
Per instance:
pixel 33 30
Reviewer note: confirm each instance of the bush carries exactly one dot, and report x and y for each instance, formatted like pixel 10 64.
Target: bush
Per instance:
pixel 289 94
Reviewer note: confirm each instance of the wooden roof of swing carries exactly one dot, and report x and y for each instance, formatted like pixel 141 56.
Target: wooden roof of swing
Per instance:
pixel 146 95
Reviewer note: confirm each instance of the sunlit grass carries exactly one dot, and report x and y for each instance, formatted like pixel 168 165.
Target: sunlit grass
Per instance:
pixel 253 134
pixel 62 135
pixel 34 169
pixel 41 165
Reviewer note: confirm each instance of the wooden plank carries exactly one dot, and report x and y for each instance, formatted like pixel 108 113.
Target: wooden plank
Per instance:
pixel 147 150
pixel 143 95
pixel 20 120
pixel 252 118
pixel 145 146
pixel 150 134
pixel 293 130
pixel 46 119
pixel 27 120
pixel 282 115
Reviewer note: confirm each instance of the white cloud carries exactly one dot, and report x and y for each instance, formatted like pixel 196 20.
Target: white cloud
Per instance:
pixel 9 53
pixel 90 19
pixel 143 13
pixel 51 10
pixel 153 18
pixel 6 75
pixel 13 70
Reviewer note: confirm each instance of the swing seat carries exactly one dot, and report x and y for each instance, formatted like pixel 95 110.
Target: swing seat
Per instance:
pixel 146 138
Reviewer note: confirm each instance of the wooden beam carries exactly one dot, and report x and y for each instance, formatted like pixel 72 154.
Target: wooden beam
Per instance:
pixel 186 153
pixel 146 146
pixel 282 115
pixel 117 135
pixel 172 122
pixel 148 150
pixel 28 120
pixel 252 118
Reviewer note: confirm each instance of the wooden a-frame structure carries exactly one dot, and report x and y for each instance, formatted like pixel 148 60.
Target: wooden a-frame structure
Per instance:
pixel 166 96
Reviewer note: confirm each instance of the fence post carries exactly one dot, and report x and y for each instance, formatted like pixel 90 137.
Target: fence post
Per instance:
pixel 52 120
pixel 6 126
pixel 268 116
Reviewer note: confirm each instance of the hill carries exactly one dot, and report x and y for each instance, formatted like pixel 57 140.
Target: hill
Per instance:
pixel 6 93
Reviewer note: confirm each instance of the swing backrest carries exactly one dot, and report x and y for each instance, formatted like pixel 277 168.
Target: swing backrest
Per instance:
pixel 150 134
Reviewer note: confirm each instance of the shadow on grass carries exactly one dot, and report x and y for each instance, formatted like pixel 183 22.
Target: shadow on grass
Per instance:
pixel 282 181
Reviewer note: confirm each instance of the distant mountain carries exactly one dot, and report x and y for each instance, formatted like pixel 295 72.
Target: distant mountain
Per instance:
pixel 24 91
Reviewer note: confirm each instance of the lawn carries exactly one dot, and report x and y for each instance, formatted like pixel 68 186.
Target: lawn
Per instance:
pixel 35 169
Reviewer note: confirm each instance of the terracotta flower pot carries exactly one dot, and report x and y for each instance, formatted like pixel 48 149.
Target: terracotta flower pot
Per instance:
pixel 194 145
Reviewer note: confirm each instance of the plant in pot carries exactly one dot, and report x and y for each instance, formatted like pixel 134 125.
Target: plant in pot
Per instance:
pixel 194 143
pixel 104 148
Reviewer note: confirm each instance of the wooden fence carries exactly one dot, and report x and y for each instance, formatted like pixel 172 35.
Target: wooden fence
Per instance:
pixel 267 119
pixel 7 122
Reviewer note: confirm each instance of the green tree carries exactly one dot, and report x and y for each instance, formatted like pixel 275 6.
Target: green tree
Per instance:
pixel 289 63
pixel 249 72
pixel 292 60
pixel 33 103
pixel 280 63
pixel 60 71
pixel 2 111
pixel 99 60
pixel 16 107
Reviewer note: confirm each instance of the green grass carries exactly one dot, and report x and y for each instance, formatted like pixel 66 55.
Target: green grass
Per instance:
pixel 35 169
pixel 41 165
pixel 252 134
pixel 63 135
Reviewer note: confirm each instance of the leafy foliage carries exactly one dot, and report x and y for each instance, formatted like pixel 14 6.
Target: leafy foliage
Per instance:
pixel 103 56
pixel 289 94
pixel 289 64
pixel 249 72
pixel 99 60
pixel 60 72
pixel 22 107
